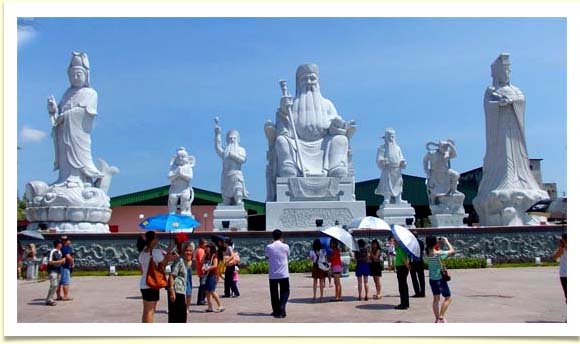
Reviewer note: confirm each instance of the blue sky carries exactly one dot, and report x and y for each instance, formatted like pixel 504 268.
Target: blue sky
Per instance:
pixel 161 81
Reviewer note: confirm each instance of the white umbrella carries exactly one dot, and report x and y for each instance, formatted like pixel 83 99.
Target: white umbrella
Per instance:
pixel 369 222
pixel 406 240
pixel 32 234
pixel 341 235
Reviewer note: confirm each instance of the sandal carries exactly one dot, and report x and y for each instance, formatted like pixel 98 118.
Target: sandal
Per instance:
pixel 209 310
pixel 441 320
pixel 67 299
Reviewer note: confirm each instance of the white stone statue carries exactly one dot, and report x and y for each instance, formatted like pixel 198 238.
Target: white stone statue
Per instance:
pixel 441 179
pixel 508 187
pixel 390 161
pixel 309 138
pixel 180 174
pixel 77 201
pixel 233 187
pixel 72 123
pixel 445 202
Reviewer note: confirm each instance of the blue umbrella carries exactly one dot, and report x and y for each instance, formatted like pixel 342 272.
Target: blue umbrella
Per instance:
pixel 169 223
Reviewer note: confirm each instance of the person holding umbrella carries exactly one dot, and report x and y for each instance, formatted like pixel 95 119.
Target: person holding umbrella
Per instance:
pixel 336 267
pixel 406 245
pixel 402 268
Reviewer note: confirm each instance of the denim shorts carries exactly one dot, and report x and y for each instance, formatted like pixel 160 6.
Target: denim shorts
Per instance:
pixel 65 276
pixel 440 287
pixel 210 283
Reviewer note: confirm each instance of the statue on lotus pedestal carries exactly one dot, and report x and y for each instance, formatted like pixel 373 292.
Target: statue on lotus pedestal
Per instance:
pixel 77 201
pixel 508 187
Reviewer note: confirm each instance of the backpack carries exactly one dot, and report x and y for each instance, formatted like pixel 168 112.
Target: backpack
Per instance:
pixel 321 261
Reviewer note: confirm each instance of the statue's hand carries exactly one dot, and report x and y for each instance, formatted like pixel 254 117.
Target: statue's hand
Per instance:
pixel 285 104
pixel 51 105
pixel 504 101
pixel 217 130
pixel 403 164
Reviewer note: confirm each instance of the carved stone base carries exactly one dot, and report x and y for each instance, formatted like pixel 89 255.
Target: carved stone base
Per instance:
pixel 71 227
pixel 507 207
pixel 314 189
pixel 235 214
pixel 303 215
pixel 447 220
pixel 397 214
pixel 68 207
pixel 448 204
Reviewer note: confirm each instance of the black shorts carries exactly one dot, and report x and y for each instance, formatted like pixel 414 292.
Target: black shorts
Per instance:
pixel 376 269
pixel 150 294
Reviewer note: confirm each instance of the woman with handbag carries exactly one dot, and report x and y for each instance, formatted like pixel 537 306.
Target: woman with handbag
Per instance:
pixel 362 270
pixel 438 275
pixel 153 262
pixel 320 267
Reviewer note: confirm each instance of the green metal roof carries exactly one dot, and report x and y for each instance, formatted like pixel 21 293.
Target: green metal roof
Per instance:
pixel 158 196
pixel 415 191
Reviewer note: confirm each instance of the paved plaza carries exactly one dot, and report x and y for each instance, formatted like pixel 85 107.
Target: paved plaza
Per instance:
pixel 515 295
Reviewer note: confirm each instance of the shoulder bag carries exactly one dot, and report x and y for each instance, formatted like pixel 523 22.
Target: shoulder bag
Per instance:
pixel 444 273
pixel 155 275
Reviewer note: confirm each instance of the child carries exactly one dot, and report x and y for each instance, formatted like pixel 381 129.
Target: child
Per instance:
pixel 235 289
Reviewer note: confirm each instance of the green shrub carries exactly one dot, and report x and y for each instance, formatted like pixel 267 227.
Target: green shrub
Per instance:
pixel 301 265
pixel 258 267
pixel 352 265
pixel 464 263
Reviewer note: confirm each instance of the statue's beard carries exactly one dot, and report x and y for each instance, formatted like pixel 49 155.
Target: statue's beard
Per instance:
pixel 231 147
pixel 311 119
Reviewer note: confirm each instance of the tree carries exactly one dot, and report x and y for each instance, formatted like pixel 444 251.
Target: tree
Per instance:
pixel 21 215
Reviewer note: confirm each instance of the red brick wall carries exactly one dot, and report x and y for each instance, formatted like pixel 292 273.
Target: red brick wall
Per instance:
pixel 127 217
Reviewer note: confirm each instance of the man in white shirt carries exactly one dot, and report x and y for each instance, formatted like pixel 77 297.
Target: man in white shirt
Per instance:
pixel 277 254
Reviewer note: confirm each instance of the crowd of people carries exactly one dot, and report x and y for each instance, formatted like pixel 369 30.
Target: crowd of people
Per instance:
pixel 210 261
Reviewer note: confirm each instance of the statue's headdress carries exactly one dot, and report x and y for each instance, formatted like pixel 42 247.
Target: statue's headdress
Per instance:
pixel 498 66
pixel 388 131
pixel 80 60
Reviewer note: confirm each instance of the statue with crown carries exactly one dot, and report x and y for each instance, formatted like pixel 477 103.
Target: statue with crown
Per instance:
pixel 309 176
pixel 77 201
pixel 508 187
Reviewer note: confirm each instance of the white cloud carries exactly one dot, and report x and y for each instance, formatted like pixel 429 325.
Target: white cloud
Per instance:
pixel 31 135
pixel 26 31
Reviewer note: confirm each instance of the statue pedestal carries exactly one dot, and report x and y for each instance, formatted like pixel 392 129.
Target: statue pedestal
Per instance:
pixel 507 207
pixel 69 208
pixel 447 220
pixel 448 210
pixel 397 214
pixel 235 214
pixel 303 200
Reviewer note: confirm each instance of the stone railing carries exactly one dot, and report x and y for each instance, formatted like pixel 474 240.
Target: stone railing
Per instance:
pixel 502 244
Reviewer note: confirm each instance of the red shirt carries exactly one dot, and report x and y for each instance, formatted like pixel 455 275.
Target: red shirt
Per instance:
pixel 199 255
pixel 335 258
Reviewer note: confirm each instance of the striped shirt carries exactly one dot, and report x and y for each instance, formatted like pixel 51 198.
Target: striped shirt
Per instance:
pixel 435 265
